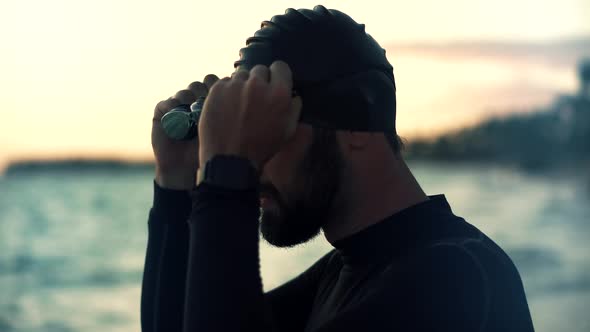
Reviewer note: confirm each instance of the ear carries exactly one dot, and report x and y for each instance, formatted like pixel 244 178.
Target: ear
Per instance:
pixel 354 140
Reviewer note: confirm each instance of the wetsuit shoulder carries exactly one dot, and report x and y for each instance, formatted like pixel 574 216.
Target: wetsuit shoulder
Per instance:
pixel 440 288
pixel 451 288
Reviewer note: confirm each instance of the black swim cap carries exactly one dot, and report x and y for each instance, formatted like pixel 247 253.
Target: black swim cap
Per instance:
pixel 340 72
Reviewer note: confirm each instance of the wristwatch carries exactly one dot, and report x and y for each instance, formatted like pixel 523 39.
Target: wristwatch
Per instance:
pixel 229 172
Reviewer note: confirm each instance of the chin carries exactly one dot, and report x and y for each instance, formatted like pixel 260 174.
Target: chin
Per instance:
pixel 282 233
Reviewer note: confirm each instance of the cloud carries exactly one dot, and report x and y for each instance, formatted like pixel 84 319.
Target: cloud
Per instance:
pixel 556 53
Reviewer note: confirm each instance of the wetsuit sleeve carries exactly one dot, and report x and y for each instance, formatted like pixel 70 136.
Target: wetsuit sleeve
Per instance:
pixel 224 287
pixel 164 276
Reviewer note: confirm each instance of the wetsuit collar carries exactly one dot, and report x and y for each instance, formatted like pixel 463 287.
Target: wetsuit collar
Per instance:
pixel 396 234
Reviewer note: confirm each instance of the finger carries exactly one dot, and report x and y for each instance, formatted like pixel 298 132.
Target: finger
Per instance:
pixel 199 89
pixel 294 115
pixel 164 106
pixel 280 75
pixel 209 80
pixel 215 91
pixel 185 96
pixel 240 74
pixel 260 72
pixel 220 83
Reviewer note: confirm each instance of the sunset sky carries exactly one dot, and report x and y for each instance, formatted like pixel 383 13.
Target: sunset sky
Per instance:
pixel 81 78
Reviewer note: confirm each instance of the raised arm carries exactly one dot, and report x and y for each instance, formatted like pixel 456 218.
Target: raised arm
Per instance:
pixel 162 296
pixel 245 121
pixel 224 285
pixel 163 286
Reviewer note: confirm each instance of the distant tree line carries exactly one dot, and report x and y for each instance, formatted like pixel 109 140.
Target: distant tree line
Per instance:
pixel 76 165
pixel 554 136
pixel 551 137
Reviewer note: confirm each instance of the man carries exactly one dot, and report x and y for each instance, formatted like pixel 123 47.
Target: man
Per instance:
pixel 309 144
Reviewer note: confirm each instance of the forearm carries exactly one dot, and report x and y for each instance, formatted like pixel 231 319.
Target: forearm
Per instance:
pixel 164 277
pixel 150 274
pixel 224 287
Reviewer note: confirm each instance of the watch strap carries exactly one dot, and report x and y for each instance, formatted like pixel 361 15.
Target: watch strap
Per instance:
pixel 230 172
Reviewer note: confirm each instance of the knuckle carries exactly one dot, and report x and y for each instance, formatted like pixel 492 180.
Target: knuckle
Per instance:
pixel 218 85
pixel 255 83
pixel 198 88
pixel 260 67
pixel 210 79
pixel 164 106
pixel 260 71
pixel 241 74
pixel 185 96
pixel 161 104
pixel 235 83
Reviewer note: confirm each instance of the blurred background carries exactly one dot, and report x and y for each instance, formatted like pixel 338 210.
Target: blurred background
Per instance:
pixel 493 101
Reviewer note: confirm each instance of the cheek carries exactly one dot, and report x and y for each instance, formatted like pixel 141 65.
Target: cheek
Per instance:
pixel 282 170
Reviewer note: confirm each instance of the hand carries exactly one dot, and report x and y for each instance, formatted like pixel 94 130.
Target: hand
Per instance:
pixel 249 115
pixel 177 161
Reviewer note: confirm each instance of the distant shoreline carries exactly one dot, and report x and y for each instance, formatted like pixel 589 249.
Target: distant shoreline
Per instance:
pixel 75 165
pixel 91 165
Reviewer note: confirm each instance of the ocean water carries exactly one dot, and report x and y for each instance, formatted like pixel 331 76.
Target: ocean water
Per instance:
pixel 72 245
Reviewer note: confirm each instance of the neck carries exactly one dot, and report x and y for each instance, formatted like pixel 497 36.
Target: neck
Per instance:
pixel 370 194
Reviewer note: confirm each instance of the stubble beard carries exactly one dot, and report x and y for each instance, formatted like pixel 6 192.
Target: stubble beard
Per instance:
pixel 288 225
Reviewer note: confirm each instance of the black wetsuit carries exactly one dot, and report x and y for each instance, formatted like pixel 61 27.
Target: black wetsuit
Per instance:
pixel 422 269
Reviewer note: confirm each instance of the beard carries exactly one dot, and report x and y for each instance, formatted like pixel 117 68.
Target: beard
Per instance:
pixel 299 217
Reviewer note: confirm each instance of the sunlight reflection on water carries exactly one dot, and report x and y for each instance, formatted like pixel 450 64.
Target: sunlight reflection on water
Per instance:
pixel 73 244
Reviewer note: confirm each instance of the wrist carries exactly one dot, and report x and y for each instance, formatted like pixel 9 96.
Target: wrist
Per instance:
pixel 175 180
pixel 171 206
pixel 225 153
pixel 230 172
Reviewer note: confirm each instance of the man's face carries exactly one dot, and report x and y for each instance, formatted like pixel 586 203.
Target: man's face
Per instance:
pixel 298 187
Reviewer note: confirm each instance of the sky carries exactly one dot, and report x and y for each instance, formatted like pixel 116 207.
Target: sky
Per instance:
pixel 81 77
